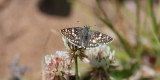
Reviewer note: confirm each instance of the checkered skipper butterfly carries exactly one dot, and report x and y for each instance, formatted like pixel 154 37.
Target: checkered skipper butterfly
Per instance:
pixel 84 37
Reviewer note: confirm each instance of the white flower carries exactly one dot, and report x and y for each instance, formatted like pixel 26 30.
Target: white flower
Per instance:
pixel 100 56
pixel 62 55
pixel 48 59
pixel 58 64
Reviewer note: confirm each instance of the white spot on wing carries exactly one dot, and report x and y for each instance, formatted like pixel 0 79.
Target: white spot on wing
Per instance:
pixel 99 37
pixel 66 30
pixel 100 34
pixel 73 30
pixel 94 41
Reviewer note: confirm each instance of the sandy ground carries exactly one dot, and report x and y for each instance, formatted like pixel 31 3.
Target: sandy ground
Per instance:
pixel 24 30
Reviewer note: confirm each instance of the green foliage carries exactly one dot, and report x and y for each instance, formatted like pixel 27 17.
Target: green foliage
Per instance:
pixel 144 20
pixel 125 73
pixel 134 51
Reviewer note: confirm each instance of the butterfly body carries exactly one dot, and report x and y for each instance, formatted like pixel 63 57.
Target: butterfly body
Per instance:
pixel 84 37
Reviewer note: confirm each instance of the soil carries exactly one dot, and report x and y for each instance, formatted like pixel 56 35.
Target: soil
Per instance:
pixel 24 30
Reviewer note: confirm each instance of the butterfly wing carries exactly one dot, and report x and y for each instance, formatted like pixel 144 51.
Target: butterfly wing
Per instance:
pixel 92 43
pixel 102 38
pixel 72 35
pixel 98 38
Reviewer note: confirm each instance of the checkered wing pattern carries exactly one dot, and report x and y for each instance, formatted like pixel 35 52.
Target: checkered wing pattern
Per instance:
pixel 98 38
pixel 95 38
pixel 72 34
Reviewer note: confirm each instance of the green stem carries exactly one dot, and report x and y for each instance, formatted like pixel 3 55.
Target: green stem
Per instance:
pixel 106 21
pixel 76 66
pixel 137 21
pixel 101 9
pixel 154 27
pixel 138 29
pixel 151 15
pixel 125 44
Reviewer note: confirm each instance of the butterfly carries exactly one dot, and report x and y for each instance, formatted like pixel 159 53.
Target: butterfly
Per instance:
pixel 85 38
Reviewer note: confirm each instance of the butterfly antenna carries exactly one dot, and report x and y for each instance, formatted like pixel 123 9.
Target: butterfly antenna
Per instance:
pixel 95 26
pixel 45 44
pixel 48 37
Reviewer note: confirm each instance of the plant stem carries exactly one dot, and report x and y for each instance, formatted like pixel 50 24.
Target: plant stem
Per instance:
pixel 151 16
pixel 138 35
pixel 76 66
pixel 101 9
pixel 106 21
pixel 154 27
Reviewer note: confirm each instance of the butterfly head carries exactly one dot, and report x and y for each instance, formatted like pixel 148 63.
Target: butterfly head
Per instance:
pixel 86 29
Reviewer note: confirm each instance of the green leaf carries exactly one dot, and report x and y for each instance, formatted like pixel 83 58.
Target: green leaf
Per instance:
pixel 125 73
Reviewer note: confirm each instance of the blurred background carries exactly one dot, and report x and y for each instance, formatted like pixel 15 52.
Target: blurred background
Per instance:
pixel 31 29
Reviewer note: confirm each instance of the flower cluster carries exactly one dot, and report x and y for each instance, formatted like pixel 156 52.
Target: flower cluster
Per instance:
pixel 58 64
pixel 74 50
pixel 100 59
pixel 100 56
